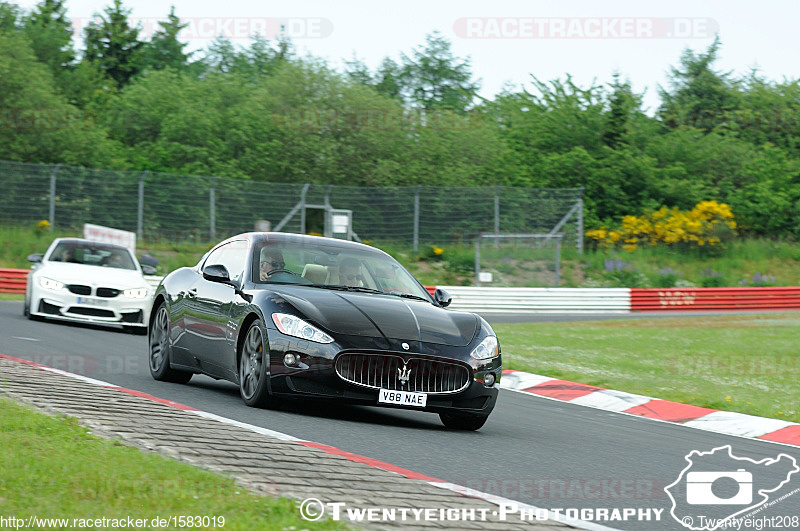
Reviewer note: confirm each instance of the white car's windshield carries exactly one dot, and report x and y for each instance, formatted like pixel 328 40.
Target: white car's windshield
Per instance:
pixel 94 254
pixel 334 266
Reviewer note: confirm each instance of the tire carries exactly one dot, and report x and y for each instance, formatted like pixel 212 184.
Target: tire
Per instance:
pixel 463 421
pixel 26 308
pixel 159 348
pixel 254 367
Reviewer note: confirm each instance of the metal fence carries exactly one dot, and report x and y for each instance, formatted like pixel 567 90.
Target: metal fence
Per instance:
pixel 159 206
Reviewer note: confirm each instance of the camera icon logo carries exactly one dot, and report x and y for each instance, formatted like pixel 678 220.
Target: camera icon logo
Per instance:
pixel 699 488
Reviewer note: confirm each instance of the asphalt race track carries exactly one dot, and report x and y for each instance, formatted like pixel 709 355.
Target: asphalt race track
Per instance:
pixel 537 451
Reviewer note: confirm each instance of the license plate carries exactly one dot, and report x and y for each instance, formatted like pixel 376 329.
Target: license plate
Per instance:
pixel 402 398
pixel 92 302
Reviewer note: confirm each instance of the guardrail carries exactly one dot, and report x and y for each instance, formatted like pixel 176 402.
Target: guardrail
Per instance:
pixel 568 300
pixel 716 299
pixel 540 300
pixel 13 280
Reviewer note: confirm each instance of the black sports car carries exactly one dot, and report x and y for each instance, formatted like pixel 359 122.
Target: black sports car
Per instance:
pixel 290 315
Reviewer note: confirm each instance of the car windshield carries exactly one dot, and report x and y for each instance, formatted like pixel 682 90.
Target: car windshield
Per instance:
pixel 93 254
pixel 334 266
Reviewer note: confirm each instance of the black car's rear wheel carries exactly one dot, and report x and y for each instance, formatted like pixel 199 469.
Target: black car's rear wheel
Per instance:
pixel 254 367
pixel 160 350
pixel 463 421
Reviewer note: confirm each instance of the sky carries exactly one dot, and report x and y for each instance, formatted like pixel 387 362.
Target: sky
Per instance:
pixel 506 40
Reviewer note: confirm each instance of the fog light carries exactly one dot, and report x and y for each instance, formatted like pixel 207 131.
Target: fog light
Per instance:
pixel 489 380
pixel 290 360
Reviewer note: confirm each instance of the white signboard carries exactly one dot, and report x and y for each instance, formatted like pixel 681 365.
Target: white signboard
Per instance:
pixel 98 233
pixel 485 276
pixel 340 223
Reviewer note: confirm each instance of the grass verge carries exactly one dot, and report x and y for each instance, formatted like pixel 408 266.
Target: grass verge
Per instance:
pixel 744 363
pixel 54 468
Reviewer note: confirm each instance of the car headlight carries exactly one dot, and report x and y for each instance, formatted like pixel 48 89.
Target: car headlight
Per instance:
pixel 487 349
pixel 49 283
pixel 135 293
pixel 294 326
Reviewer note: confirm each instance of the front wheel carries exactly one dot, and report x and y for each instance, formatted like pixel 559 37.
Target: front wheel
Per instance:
pixel 254 368
pixel 160 348
pixel 463 421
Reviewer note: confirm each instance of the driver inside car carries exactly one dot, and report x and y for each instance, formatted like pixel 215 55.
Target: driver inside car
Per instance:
pixel 271 262
pixel 350 273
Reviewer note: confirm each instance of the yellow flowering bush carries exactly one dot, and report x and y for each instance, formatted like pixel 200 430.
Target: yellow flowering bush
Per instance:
pixel 42 226
pixel 703 225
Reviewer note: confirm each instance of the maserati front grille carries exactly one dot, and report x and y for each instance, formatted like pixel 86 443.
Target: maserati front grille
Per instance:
pixel 393 372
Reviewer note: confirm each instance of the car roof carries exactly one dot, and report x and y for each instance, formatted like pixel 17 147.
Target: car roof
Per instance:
pixel 294 237
pixel 90 242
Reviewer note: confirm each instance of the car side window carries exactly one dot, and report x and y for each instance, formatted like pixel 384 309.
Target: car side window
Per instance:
pixel 233 256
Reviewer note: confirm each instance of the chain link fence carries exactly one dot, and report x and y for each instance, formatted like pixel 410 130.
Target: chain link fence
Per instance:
pixel 160 206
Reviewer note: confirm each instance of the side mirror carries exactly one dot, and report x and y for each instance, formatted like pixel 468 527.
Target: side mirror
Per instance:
pixel 216 273
pixel 148 269
pixel 442 297
pixel 35 258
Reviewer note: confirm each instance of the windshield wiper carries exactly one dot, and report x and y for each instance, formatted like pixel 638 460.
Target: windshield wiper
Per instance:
pixel 338 287
pixel 410 296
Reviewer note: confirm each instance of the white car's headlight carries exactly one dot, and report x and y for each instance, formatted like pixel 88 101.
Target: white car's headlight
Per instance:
pixel 49 283
pixel 135 293
pixel 294 326
pixel 487 349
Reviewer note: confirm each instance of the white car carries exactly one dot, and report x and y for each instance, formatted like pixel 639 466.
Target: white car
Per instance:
pixel 87 281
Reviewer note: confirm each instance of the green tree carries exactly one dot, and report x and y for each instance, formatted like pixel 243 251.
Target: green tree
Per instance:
pixel 621 105
pixel 699 96
pixel 50 34
pixel 36 123
pixel 114 45
pixel 164 49
pixel 434 79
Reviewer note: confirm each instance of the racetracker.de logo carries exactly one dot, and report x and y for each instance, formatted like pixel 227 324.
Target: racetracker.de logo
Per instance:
pixel 585 28
pixel 209 28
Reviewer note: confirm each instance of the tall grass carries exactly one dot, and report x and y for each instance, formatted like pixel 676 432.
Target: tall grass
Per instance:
pixel 744 262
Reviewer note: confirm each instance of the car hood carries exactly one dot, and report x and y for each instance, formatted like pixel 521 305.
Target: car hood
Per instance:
pixel 365 314
pixel 91 275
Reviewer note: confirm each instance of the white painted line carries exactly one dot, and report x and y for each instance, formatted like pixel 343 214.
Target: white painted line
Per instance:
pixel 244 425
pixel 79 377
pixel 611 400
pixel 738 424
pixel 24 338
pixel 499 501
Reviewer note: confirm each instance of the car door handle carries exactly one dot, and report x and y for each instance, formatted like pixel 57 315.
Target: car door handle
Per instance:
pixel 192 293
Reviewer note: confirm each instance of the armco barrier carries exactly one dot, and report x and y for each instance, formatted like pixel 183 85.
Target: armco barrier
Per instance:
pixel 540 300
pixel 13 280
pixel 707 299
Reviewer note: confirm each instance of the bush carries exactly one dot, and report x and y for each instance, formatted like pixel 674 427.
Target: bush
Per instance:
pixel 708 225
pixel 712 279
pixel 666 278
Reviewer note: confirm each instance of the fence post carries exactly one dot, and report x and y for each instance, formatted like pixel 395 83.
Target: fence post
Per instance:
pixel 478 261
pixel 558 261
pixel 580 223
pixel 303 208
pixel 52 213
pixel 212 229
pixel 416 219
pixel 140 212
pixel 496 217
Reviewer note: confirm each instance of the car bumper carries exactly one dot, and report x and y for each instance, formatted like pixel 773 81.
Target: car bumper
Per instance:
pixel 477 398
pixel 118 310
